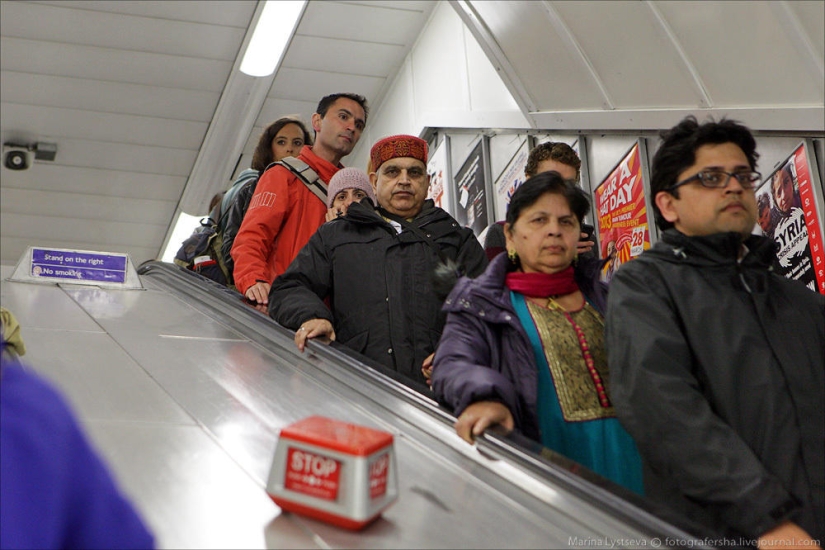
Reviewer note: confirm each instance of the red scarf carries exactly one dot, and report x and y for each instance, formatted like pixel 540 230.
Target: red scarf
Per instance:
pixel 542 285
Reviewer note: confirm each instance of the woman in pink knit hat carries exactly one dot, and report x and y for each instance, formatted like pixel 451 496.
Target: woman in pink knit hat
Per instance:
pixel 348 185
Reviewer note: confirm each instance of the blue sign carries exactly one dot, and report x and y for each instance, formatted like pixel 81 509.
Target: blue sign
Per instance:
pixel 83 266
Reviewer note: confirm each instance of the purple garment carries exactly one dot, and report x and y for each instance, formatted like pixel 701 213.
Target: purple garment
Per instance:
pixel 54 490
pixel 484 353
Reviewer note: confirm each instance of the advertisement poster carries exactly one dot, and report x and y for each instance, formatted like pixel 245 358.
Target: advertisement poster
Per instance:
pixel 787 213
pixel 438 170
pixel 471 203
pixel 510 180
pixel 620 202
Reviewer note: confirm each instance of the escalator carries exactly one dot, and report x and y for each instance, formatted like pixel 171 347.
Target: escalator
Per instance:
pixel 184 388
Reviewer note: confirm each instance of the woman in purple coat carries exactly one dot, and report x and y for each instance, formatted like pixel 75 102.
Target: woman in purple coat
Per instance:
pixel 523 346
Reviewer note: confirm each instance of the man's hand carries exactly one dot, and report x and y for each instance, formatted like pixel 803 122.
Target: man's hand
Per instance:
pixel 481 415
pixel 584 246
pixel 787 535
pixel 427 369
pixel 313 329
pixel 259 293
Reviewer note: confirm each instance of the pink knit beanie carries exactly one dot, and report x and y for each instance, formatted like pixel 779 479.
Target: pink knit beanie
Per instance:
pixel 349 178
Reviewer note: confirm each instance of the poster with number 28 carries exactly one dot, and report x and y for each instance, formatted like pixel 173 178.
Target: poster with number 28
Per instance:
pixel 620 202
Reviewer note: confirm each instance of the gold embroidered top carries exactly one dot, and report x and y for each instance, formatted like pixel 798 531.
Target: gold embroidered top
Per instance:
pixel 577 395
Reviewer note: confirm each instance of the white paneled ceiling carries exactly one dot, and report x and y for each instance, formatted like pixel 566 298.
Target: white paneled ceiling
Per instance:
pixel 128 89
pixel 620 64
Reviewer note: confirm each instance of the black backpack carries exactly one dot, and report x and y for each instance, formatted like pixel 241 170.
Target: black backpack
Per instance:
pixel 201 252
pixel 232 217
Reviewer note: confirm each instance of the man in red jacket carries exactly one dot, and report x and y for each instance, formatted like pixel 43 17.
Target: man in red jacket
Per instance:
pixel 283 214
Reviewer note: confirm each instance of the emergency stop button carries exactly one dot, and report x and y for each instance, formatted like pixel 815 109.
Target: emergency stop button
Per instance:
pixel 341 473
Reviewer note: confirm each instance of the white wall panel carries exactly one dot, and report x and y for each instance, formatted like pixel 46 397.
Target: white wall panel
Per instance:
pixel 109 127
pixel 502 149
pixel 107 96
pixel 274 108
pixel 119 156
pixel 773 150
pixel 397 116
pixel 362 57
pixel 89 62
pixel 604 153
pixel 49 176
pixel 439 65
pixel 433 88
pixel 234 13
pixel 67 228
pixel 635 60
pixel 554 79
pixel 408 5
pixel 811 14
pixel 487 91
pixel 750 60
pixel 105 30
pixel 301 84
pixel 91 207
pixel 354 22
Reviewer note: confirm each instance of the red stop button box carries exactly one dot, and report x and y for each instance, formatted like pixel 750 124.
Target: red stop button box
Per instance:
pixel 341 473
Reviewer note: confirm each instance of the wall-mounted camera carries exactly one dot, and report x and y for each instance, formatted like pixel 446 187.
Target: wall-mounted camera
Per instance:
pixel 20 156
pixel 17 157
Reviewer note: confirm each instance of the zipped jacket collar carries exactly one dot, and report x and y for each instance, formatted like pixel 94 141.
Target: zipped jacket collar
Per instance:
pixel 717 249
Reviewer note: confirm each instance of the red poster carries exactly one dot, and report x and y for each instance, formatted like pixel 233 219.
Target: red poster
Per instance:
pixel 620 201
pixel 787 214
pixel 312 474
pixel 806 195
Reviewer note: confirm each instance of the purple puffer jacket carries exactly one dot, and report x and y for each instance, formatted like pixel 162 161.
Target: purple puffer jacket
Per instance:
pixel 484 353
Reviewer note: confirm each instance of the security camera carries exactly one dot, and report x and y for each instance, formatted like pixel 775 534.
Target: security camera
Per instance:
pixel 17 157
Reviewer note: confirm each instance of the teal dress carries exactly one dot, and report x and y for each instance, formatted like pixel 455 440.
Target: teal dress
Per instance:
pixel 575 415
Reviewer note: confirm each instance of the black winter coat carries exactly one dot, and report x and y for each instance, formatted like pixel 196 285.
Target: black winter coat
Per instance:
pixel 379 283
pixel 717 372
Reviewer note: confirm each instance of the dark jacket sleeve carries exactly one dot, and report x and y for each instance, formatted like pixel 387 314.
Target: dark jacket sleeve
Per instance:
pixel 461 371
pixel 660 402
pixel 297 295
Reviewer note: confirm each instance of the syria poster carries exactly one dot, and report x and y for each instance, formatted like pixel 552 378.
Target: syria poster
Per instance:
pixel 787 213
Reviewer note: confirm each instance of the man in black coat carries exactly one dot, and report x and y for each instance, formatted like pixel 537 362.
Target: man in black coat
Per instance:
pixel 375 267
pixel 716 361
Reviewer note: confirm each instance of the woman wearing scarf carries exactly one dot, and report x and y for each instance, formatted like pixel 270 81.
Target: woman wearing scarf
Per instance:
pixel 523 346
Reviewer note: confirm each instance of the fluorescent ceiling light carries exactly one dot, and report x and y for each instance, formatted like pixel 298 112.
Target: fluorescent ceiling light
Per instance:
pixel 272 34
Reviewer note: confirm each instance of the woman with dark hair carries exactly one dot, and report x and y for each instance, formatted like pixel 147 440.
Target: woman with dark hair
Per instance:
pixel 523 346
pixel 283 138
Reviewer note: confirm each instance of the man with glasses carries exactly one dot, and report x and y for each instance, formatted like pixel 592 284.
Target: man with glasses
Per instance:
pixel 716 362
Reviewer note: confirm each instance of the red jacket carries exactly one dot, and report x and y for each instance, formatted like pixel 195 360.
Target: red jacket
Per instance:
pixel 283 214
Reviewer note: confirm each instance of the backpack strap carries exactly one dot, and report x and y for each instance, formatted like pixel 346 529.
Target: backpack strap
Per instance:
pixel 307 175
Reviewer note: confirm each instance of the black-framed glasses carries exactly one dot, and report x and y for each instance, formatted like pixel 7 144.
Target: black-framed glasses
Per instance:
pixel 716 179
